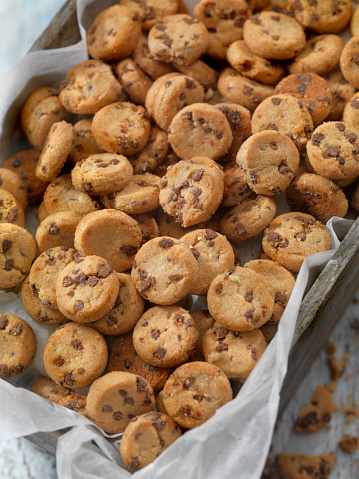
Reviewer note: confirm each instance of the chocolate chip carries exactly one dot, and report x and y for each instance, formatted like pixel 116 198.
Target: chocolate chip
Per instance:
pixel 160 352
pixel 340 160
pixel 92 281
pixel 117 415
pixel 248 296
pixel 78 306
pixel 12 215
pixel 308 420
pixel 166 243
pixel 107 408
pixel 3 322
pixel 197 175
pixel 352 137
pixel 104 270
pixel 222 347
pixel 9 264
pixel 354 104
pixel 219 288
pixel 129 250
pixel 254 353
pixel 67 281
pixel 6 244
pixel 155 333
pixel 332 150
pixel 69 379
pixel 77 344
pixel 188 382
pixel 276 101
pixel 249 314
pixel 283 168
pixel 341 126
pixel 134 466
pixel 273 237
pixel 59 362
pixel 81 279
pixel 317 138
pixel 280 298
pixel 52 229
pixel 129 401
pixel 189 84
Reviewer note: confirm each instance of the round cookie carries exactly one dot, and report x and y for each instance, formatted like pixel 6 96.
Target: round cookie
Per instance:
pixel 312 90
pixel 45 272
pixel 88 87
pixel 14 184
pixel 11 210
pixel 287 115
pixel 17 345
pixel 333 151
pixel 274 36
pixel 75 355
pixel 253 66
pixel 320 55
pixel 269 160
pixel 134 81
pixel 200 130
pixel 165 336
pixel 116 398
pixel 178 38
pixel 32 101
pixel 169 97
pixel 24 164
pixel 201 72
pixel 145 60
pixel 239 119
pixel 148 225
pixel 43 116
pixel 152 155
pixel 152 11
pixel 56 148
pixel 213 253
pixel 61 195
pixel 164 270
pixel 48 389
pixel 194 392
pixel 17 252
pixel 236 353
pixel 151 97
pixel 204 322
pixel 351 112
pixel 241 299
pixel 110 234
pixel 236 187
pixel 57 229
pixel 224 18
pixel 192 190
pixel 39 312
pixel 239 89
pixel 84 143
pixel 101 174
pixel 145 438
pixel 291 237
pixel 87 289
pixel 128 308
pixel 123 357
pixel 122 128
pixel 282 282
pixel 140 195
pixel 341 91
pixel 325 16
pixel 113 34
pixel 317 196
pixel 248 218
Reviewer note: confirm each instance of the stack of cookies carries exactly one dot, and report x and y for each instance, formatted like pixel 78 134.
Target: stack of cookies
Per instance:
pixel 149 164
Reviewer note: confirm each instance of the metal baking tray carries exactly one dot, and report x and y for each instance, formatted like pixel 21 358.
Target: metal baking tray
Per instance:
pixel 322 306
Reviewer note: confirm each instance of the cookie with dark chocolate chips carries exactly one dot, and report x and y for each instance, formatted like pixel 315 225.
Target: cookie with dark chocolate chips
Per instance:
pixel 317 413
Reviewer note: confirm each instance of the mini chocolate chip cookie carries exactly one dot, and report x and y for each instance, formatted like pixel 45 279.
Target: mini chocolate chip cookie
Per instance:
pixel 139 196
pixel 17 252
pixel 101 174
pixel 200 130
pixel 17 345
pixel 75 355
pixel 56 148
pixel 317 196
pixel 57 229
pixel 165 336
pixel 236 187
pixel 291 237
pixel 110 234
pixel 194 392
pixel 152 11
pixel 14 184
pixel 235 352
pixel 312 90
pixel 239 89
pixel 122 128
pixel 333 151
pixel 178 38
pixel 84 143
pixel 113 34
pixel 152 155
pixel 269 160
pixel 241 299
pixel 87 289
pixel 145 438
pixel 317 413
pixel 134 81
pixel 285 114
pixel 164 270
pixel 88 87
pixel 45 272
pixel 116 398
pixel 247 219
pixel 192 190
pixel 214 255
pixel 32 101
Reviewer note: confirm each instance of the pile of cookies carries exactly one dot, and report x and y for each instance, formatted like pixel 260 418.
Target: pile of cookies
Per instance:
pixel 152 160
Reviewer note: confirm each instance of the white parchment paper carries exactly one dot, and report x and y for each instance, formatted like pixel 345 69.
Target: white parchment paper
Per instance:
pixel 236 441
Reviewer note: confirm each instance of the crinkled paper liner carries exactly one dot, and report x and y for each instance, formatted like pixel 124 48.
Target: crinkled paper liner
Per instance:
pixel 236 440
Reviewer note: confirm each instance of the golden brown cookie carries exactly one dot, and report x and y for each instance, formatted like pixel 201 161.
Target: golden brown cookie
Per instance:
pixel 152 11
pixel 152 155
pixel 84 143
pixel 145 60
pixel 57 229
pixel 134 81
pixel 317 413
